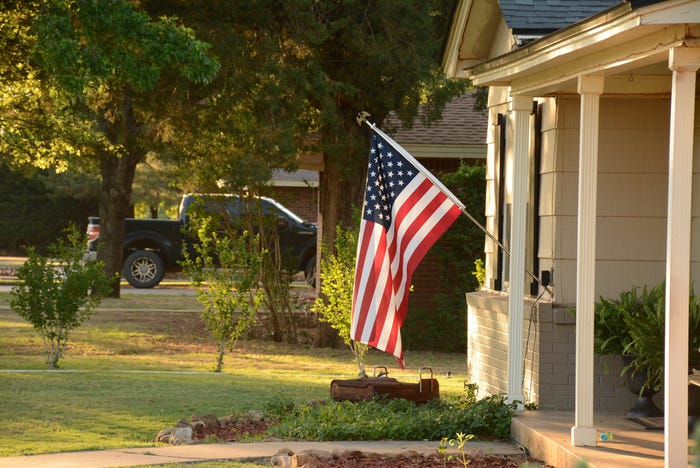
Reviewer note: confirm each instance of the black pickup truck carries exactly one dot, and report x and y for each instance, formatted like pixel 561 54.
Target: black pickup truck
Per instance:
pixel 154 246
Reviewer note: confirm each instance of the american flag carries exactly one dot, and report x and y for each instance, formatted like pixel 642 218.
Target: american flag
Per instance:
pixel 406 210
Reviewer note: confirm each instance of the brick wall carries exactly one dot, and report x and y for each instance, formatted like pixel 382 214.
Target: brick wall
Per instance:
pixel 425 283
pixel 301 200
pixel 549 349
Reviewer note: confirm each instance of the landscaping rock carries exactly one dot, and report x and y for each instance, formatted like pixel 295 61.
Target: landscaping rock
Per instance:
pixel 285 458
pixel 182 436
pixel 283 461
pixel 164 435
pixel 252 416
pixel 209 420
pixel 178 435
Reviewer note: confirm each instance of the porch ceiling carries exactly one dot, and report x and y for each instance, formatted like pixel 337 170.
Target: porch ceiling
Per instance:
pixel 629 47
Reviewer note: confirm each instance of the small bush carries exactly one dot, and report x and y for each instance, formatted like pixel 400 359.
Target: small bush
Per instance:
pixel 334 305
pixel 59 292
pixel 225 272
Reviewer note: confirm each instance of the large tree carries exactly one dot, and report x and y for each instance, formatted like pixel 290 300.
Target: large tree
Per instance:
pixel 295 73
pixel 375 57
pixel 94 82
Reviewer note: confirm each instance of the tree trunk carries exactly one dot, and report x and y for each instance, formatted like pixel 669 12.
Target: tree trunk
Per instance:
pixel 221 349
pixel 341 189
pixel 115 197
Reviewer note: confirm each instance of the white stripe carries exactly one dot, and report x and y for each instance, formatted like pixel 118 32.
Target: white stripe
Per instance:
pixel 358 294
pixel 388 324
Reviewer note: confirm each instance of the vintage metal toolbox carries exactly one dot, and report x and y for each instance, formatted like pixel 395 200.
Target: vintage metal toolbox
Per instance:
pixel 366 388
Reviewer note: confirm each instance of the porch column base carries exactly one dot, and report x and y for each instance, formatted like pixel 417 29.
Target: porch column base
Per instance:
pixel 583 436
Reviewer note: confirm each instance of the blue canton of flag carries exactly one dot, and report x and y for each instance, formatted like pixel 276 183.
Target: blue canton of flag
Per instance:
pixel 387 175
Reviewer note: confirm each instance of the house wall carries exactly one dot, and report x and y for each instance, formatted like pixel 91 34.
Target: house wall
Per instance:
pixel 549 340
pixel 630 242
pixel 632 193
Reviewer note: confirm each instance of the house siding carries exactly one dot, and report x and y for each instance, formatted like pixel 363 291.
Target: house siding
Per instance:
pixel 630 243
pixel 549 349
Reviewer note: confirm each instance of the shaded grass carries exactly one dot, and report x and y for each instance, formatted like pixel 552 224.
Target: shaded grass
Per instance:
pixel 141 363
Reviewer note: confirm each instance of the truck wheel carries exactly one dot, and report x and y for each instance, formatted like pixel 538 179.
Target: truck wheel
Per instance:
pixel 144 269
pixel 310 272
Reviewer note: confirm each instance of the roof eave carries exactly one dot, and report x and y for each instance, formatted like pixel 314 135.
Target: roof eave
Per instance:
pixel 614 38
pixel 479 72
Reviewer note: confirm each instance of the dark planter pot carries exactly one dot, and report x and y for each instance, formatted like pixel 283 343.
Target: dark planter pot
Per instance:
pixel 644 407
pixel 693 394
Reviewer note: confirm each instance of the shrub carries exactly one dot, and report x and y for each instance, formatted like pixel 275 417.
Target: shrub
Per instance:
pixel 396 419
pixel 59 292
pixel 334 305
pixel 225 272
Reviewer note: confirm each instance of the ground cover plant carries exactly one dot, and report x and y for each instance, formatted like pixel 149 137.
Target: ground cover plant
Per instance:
pixel 396 419
pixel 141 363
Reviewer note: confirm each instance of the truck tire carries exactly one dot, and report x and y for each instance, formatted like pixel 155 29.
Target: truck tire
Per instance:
pixel 144 269
pixel 310 272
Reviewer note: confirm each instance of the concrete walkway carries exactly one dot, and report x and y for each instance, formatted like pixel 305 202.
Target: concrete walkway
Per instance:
pixel 207 452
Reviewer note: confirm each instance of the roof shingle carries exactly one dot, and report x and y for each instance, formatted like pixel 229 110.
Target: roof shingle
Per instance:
pixel 460 125
pixel 545 16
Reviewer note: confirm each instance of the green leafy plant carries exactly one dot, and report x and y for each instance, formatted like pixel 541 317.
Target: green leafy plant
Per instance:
pixel 334 305
pixel 396 419
pixel 58 292
pixel 225 272
pixel 479 272
pixel 460 441
pixel 633 326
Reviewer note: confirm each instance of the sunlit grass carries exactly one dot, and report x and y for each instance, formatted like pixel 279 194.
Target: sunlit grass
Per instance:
pixel 141 363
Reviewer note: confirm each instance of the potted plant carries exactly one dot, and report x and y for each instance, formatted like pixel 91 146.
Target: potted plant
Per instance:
pixel 632 327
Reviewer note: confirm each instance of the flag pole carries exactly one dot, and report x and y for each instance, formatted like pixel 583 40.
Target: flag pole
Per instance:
pixel 361 118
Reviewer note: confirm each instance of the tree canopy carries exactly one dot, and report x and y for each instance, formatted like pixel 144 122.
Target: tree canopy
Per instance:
pixel 93 83
pixel 101 83
pixel 295 73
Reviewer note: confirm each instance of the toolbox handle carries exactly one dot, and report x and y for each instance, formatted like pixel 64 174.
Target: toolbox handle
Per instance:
pixel 420 379
pixel 384 373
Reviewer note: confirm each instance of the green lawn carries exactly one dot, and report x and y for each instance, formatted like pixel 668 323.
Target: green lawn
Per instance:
pixel 141 363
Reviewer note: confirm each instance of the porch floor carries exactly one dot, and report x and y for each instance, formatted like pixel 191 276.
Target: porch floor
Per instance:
pixel 547 436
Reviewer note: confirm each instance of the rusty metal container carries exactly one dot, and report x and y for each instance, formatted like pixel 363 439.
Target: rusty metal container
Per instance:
pixel 366 388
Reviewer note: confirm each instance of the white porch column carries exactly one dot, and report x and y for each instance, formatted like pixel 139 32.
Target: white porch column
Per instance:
pixel 590 88
pixel 522 108
pixel 684 62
